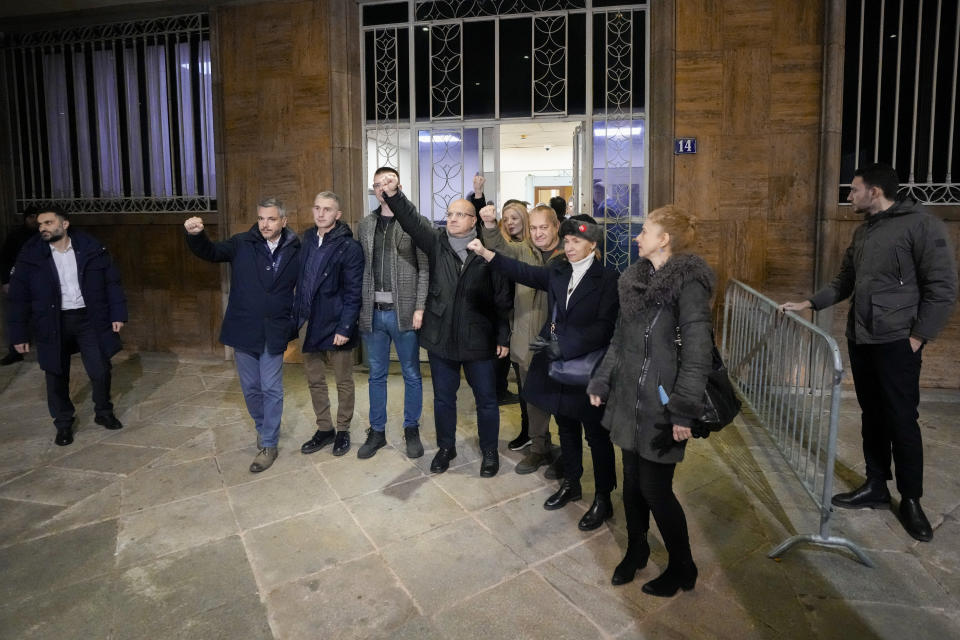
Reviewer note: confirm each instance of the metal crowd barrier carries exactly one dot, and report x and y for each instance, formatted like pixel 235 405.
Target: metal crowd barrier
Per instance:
pixel 788 371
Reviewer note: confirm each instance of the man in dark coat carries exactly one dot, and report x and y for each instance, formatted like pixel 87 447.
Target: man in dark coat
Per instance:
pixel 8 257
pixel 259 321
pixel 67 290
pixel 901 272
pixel 328 300
pixel 466 323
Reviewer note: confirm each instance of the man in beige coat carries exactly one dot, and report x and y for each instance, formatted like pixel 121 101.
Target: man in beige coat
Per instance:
pixel 529 313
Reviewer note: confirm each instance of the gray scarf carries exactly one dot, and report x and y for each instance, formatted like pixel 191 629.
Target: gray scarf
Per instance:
pixel 460 244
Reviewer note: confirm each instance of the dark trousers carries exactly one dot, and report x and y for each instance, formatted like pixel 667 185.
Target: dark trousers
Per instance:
pixel 887 380
pixel 601 450
pixel 76 332
pixel 481 376
pixel 503 372
pixel 648 487
pixel 524 416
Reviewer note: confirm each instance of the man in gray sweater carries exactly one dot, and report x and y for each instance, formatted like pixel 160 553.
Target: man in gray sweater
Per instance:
pixel 900 270
pixel 396 276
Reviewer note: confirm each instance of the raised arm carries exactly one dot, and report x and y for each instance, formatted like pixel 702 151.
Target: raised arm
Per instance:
pixel 201 245
pixel 421 231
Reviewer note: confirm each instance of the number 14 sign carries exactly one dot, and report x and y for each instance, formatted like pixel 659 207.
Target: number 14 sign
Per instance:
pixel 684 145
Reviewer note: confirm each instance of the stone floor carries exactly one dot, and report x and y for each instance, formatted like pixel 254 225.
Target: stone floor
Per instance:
pixel 159 531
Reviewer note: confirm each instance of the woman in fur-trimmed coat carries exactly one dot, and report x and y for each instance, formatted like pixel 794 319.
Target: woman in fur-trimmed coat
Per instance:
pixel 653 388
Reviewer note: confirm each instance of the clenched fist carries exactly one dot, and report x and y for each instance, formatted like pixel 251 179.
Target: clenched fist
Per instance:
pixel 478 182
pixel 390 184
pixel 193 225
pixel 489 216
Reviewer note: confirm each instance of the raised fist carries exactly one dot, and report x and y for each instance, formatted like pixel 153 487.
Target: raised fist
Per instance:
pixel 193 225
pixel 478 182
pixel 389 184
pixel 488 215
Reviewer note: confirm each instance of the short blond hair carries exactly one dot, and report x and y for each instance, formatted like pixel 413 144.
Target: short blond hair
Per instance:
pixel 679 223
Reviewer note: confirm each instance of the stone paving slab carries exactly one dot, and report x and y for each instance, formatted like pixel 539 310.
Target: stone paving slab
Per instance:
pixel 160 531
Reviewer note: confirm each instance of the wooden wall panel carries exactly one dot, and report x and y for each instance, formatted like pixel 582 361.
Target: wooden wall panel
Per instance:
pixel 748 76
pixel 290 94
pixel 173 297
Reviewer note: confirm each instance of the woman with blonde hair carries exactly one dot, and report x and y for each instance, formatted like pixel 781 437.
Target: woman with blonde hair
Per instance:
pixel 652 380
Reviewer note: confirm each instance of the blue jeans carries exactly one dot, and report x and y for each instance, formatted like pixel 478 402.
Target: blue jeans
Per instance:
pixel 261 378
pixel 377 346
pixel 482 378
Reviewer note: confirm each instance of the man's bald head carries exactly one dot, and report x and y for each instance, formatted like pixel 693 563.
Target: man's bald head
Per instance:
pixel 461 217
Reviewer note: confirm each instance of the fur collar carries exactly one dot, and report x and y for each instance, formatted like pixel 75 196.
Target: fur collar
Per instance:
pixel 642 288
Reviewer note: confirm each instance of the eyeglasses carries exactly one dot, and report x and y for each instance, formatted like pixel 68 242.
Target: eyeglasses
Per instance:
pixel 459 214
pixel 377 185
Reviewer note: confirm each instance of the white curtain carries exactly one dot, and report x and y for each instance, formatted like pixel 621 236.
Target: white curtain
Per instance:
pixel 158 122
pixel 108 123
pixel 58 125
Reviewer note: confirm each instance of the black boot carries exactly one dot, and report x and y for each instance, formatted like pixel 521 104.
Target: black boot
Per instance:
pixel 679 575
pixel 638 552
pixel 870 495
pixel 600 511
pixel 569 491
pixel 914 520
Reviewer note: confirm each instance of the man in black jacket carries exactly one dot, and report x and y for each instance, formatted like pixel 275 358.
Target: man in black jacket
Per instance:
pixel 466 323
pixel 8 257
pixel 901 272
pixel 66 289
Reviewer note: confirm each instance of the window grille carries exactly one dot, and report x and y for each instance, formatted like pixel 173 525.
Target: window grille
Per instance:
pixel 900 95
pixel 115 117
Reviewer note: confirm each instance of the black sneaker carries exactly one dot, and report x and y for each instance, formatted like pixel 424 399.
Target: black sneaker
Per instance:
pixel 412 437
pixel 375 440
pixel 520 442
pixel 341 443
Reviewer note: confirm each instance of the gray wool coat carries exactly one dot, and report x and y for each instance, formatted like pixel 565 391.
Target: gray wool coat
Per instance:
pixel 643 356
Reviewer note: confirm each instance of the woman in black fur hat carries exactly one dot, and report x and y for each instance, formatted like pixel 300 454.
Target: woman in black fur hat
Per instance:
pixel 653 381
pixel 582 307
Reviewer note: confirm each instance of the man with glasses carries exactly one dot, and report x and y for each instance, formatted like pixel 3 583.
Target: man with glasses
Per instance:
pixel 395 280
pixel 466 323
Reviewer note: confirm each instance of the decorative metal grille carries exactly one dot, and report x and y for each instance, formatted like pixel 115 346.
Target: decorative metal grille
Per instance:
pixel 550 65
pixel 127 205
pixel 115 117
pixel 446 161
pixel 453 9
pixel 900 95
pixel 446 71
pixel 169 26
pixel 387 98
pixel 616 128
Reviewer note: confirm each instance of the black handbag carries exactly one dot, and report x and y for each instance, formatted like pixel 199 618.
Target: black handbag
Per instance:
pixel 720 402
pixel 575 371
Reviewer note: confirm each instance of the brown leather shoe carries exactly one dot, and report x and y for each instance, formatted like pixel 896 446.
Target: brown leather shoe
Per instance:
pixel 263 461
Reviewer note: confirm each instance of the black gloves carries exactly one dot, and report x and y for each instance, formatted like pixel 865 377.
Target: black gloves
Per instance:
pixel 550 348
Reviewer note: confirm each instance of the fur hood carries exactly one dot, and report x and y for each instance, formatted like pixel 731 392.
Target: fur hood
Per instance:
pixel 641 287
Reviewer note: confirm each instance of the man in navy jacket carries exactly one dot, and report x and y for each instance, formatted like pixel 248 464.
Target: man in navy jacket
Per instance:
pixel 66 288
pixel 259 321
pixel 328 300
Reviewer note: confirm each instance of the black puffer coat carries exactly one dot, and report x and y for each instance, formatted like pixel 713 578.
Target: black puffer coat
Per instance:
pixel 643 356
